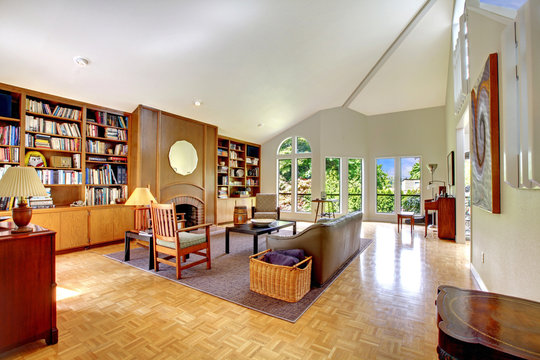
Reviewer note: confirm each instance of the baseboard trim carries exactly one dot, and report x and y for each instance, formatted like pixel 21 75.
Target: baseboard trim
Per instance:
pixel 478 279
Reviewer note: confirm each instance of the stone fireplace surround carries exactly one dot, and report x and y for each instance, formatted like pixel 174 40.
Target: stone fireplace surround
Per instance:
pixel 196 216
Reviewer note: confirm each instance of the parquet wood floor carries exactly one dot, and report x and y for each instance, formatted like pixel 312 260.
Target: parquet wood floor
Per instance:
pixel 381 307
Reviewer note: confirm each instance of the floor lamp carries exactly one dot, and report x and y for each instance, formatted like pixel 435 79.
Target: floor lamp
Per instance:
pixel 141 198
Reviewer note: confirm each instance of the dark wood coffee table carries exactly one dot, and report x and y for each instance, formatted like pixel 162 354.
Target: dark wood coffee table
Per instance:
pixel 256 231
pixel 477 325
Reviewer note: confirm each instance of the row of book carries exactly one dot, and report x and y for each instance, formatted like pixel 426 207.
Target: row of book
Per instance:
pixel 9 135
pixel 51 127
pixel 116 134
pixel 62 177
pixel 100 147
pixel 104 196
pixel 109 119
pixel 8 203
pixel 106 175
pixel 47 142
pixel 41 202
pixel 39 107
pixel 9 154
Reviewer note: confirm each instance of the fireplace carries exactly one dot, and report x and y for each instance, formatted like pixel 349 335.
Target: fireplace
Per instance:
pixel 192 207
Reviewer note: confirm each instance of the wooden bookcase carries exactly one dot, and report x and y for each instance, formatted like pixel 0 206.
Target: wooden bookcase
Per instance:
pixel 93 138
pixel 238 168
pixel 238 176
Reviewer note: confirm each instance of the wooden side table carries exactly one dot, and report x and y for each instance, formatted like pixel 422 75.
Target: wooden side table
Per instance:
pixel 405 215
pixel 476 325
pixel 320 204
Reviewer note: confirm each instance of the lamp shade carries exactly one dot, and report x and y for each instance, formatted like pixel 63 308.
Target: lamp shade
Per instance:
pixel 140 196
pixel 432 167
pixel 21 181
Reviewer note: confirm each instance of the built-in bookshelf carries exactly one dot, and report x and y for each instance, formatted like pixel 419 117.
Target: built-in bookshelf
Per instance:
pixel 238 168
pixel 80 151
pixel 106 156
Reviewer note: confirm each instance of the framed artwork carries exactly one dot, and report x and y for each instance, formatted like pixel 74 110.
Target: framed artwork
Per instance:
pixel 451 170
pixel 485 174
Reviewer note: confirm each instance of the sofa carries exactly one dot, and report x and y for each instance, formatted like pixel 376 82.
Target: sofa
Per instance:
pixel 331 243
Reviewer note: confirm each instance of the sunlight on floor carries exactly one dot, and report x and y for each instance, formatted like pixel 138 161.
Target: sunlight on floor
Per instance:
pixel 63 293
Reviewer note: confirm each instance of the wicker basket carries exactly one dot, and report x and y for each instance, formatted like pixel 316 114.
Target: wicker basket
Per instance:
pixel 288 283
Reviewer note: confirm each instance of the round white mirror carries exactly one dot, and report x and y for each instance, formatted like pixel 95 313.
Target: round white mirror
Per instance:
pixel 183 157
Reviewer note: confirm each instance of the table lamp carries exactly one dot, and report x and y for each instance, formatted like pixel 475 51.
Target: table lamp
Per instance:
pixel 21 182
pixel 141 198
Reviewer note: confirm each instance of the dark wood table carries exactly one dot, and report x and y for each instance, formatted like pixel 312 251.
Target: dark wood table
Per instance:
pixel 28 286
pixel 481 325
pixel 256 231
pixel 131 234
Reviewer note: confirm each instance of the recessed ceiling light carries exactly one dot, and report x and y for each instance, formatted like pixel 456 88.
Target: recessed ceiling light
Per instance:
pixel 81 61
pixel 260 124
pixel 197 102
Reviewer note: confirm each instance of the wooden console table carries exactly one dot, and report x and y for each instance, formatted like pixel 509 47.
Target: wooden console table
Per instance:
pixel 27 286
pixel 476 325
pixel 446 216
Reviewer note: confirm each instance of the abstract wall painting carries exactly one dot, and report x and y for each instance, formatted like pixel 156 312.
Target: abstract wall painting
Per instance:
pixel 486 191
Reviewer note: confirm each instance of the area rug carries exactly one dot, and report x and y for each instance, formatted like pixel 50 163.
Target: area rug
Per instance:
pixel 229 277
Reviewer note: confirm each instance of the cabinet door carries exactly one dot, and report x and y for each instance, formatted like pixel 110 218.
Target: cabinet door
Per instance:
pixel 123 221
pixel 74 226
pixel 102 225
pixel 49 220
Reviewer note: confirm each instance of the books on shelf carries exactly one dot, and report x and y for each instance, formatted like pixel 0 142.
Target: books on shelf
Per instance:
pixel 9 154
pixel 106 175
pixel 7 203
pixel 100 147
pixel 105 196
pixel 9 135
pixel 103 118
pixel 40 202
pixel 48 142
pixel 37 124
pixel 37 106
pixel 59 177
pixel 116 134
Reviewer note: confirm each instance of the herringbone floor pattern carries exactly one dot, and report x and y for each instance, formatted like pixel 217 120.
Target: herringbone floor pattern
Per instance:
pixel 381 307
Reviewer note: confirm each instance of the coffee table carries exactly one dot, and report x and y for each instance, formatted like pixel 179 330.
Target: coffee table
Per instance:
pixel 132 234
pixel 256 231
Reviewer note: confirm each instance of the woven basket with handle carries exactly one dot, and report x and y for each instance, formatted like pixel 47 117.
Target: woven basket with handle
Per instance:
pixel 288 283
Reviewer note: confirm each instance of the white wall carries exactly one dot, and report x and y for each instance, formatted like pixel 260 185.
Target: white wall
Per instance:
pixel 343 132
pixel 510 241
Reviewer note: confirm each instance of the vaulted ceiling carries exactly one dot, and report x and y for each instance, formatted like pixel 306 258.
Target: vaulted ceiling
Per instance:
pixel 258 66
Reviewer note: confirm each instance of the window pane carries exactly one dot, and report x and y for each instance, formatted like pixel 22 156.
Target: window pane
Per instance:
pixel 286 147
pixel 332 181
pixel 285 184
pixel 385 185
pixel 303 189
pixel 302 146
pixel 410 184
pixel 355 184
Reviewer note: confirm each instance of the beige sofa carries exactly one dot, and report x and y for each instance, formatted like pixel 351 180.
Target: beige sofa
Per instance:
pixel 331 243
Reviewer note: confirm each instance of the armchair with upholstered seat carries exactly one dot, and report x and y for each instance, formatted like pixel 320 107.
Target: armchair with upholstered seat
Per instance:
pixel 177 243
pixel 265 207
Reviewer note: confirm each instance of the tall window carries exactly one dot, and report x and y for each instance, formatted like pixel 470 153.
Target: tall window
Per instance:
pixel 294 183
pixel 285 184
pixel 354 184
pixel 303 188
pixel 410 184
pixel 385 185
pixel 333 181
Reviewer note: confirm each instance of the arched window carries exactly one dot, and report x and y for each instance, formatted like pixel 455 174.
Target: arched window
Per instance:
pixel 294 182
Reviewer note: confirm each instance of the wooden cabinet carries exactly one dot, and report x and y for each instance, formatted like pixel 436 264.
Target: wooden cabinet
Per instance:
pixel 110 223
pixel 28 287
pixel 70 224
pixel 446 216
pixel 226 208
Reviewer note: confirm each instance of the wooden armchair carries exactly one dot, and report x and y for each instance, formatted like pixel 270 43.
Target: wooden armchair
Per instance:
pixel 177 243
pixel 265 207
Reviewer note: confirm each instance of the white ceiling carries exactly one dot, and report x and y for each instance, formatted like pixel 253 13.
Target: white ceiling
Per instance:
pixel 270 62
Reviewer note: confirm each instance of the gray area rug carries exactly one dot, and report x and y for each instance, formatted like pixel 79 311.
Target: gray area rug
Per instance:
pixel 229 277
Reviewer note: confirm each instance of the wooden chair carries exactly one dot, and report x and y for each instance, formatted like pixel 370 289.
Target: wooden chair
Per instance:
pixel 265 207
pixel 177 243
